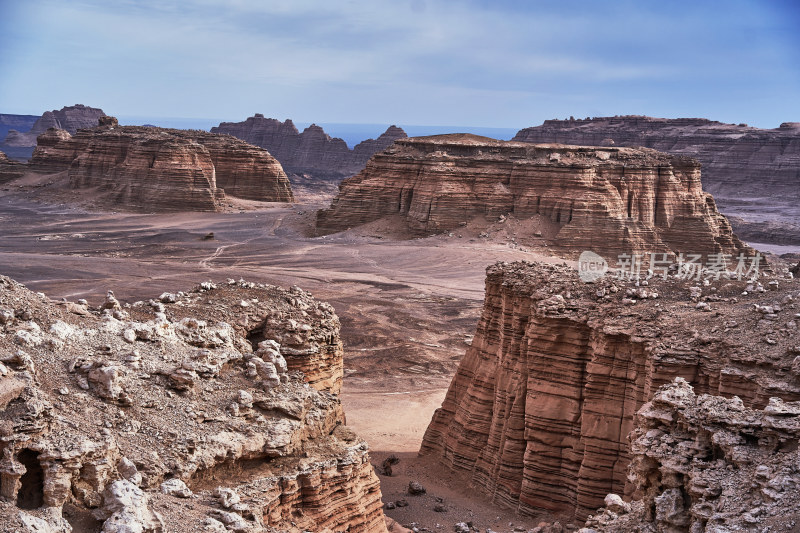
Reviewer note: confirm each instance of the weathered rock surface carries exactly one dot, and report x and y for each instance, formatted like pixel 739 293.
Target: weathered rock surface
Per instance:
pixel 707 463
pixel 140 167
pixel 69 118
pixel 737 160
pixel 10 169
pixel 609 200
pixel 542 403
pixel 311 152
pixel 161 417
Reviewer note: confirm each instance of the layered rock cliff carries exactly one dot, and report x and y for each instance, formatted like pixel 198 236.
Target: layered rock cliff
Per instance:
pixel 539 411
pixel 111 417
pixel 610 200
pixel 707 463
pixel 9 169
pixel 313 151
pixel 139 167
pixel 69 118
pixel 738 160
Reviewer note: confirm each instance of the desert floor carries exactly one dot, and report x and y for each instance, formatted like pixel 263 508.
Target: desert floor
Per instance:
pixel 408 307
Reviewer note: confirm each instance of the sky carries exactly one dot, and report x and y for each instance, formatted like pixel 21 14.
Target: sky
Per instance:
pixel 500 63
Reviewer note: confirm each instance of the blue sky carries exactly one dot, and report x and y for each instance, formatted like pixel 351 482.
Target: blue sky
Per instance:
pixel 436 62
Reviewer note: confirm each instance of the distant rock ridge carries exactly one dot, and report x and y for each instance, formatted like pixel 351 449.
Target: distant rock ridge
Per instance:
pixel 738 160
pixel 312 151
pixel 607 199
pixel 144 168
pixel 69 118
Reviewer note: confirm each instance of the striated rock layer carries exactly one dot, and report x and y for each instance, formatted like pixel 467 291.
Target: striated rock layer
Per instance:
pixel 737 160
pixel 69 118
pixel 111 417
pixel 706 463
pixel 313 151
pixel 609 200
pixel 9 169
pixel 542 403
pixel 144 168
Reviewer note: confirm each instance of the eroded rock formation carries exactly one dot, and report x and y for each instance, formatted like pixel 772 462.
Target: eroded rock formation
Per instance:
pixel 111 417
pixel 69 118
pixel 707 463
pixel 542 403
pixel 738 160
pixel 313 151
pixel 9 169
pixel 610 200
pixel 140 167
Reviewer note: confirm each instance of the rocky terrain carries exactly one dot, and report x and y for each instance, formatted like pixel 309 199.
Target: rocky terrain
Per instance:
pixel 10 169
pixel 609 200
pixel 137 167
pixel 743 166
pixel 541 406
pixel 69 118
pixel 311 152
pixel 215 409
pixel 708 463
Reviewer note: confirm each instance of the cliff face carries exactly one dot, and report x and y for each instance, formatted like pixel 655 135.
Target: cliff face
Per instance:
pixel 142 168
pixel 610 200
pixel 111 417
pixel 737 160
pixel 9 169
pixel 312 151
pixel 70 119
pixel 542 403
pixel 707 463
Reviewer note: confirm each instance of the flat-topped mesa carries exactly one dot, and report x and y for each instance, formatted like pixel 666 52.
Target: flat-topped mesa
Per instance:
pixel 112 416
pixel 69 118
pixel 607 199
pixel 540 408
pixel 738 160
pixel 313 151
pixel 140 168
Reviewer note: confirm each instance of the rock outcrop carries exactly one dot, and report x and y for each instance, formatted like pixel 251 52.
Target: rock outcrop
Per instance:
pixel 70 119
pixel 9 169
pixel 539 411
pixel 311 152
pixel 738 160
pixel 138 167
pixel 609 200
pixel 707 463
pixel 111 417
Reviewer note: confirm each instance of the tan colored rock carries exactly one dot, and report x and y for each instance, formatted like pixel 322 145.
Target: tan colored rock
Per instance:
pixel 540 408
pixel 99 425
pixel 708 463
pixel 143 168
pixel 608 200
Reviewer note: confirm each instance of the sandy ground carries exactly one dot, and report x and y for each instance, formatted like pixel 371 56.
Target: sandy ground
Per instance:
pixel 408 308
